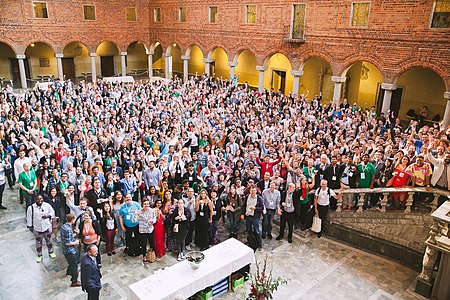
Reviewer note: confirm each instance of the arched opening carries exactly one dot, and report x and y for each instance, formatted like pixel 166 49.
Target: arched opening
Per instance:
pixel 278 74
pixel 109 60
pixel 158 60
pixel 76 61
pixel 316 78
pixel 177 63
pixel 220 67
pixel 421 87
pixel 137 60
pixel 246 68
pixel 42 61
pixel 362 85
pixel 196 64
pixel 9 67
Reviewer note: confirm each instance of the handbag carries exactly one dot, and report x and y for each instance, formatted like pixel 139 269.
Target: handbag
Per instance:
pixel 317 224
pixel 175 228
pixel 151 256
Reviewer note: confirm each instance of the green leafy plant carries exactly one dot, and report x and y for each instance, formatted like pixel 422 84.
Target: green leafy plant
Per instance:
pixel 263 284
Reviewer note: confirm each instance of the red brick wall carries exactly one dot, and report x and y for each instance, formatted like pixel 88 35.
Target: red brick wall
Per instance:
pixel 398 35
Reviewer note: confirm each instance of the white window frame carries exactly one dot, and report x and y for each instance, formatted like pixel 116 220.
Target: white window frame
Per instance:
pixel 246 13
pixel 209 14
pixel 368 16
pixel 292 20
pixel 46 6
pixel 95 12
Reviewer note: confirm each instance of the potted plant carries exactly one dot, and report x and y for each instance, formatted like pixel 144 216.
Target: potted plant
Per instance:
pixel 263 284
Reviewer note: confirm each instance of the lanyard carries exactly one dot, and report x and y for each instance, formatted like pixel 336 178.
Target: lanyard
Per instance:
pixel 28 174
pixel 86 228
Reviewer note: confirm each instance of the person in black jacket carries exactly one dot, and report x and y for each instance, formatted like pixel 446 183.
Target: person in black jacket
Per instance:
pixel 90 273
pixel 181 217
pixel 251 211
pixel 108 224
pixel 348 178
pixel 288 198
pixel 332 175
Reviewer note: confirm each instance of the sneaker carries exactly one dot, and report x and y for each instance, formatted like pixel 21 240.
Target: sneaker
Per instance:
pixel 75 284
pixel 52 255
pixel 3 207
pixel 269 236
pixel 109 253
pixel 113 252
pixel 39 259
pixel 183 256
pixel 58 239
pixel 188 248
pixel 179 257
pixel 279 238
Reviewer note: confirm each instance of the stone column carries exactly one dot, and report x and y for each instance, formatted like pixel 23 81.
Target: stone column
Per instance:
pixel 150 65
pixel 123 63
pixel 232 65
pixel 388 88
pixel 59 57
pixel 185 60
pixel 296 85
pixel 446 119
pixel 337 88
pixel 168 65
pixel 23 75
pixel 93 67
pixel 261 70
pixel 207 62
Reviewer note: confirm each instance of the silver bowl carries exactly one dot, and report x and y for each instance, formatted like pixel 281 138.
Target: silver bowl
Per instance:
pixel 194 258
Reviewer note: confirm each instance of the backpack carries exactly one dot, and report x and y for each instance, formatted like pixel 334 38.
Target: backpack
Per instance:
pixel 328 190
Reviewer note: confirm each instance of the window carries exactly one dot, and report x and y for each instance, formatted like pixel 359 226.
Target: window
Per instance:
pixel 89 12
pixel 360 14
pixel 213 14
pixel 157 14
pixel 182 14
pixel 40 10
pixel 131 14
pixel 441 14
pixel 250 14
pixel 298 21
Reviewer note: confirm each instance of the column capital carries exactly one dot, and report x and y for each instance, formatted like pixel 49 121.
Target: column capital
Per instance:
pixel 185 57
pixel 389 86
pixel 123 53
pixel 59 55
pixel 338 79
pixel 167 55
pixel 232 63
pixel 21 56
pixel 93 54
pixel 447 95
pixel 296 73
pixel 207 60
pixel 149 52
pixel 261 68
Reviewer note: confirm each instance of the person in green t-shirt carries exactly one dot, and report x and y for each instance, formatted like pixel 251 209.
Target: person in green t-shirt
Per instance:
pixel 366 176
pixel 27 181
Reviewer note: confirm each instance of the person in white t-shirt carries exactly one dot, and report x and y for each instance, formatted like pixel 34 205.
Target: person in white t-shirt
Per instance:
pixel 322 202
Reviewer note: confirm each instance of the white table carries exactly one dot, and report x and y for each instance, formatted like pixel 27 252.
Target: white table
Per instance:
pixel 181 280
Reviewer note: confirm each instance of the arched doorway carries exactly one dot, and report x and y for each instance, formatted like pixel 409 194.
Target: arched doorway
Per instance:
pixel 158 60
pixel 76 61
pixel 137 60
pixel 362 85
pixel 42 61
pixel 196 64
pixel 177 63
pixel 9 67
pixel 219 66
pixel 316 78
pixel 278 74
pixel 422 87
pixel 246 68
pixel 109 64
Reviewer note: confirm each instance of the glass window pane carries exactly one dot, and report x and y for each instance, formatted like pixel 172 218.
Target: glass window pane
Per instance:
pixel 40 10
pixel 441 15
pixel 251 14
pixel 89 12
pixel 182 14
pixel 298 21
pixel 360 14
pixel 213 14
pixel 131 14
pixel 157 14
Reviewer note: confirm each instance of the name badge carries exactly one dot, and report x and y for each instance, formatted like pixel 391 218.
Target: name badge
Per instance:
pixel 202 214
pixel 333 178
pixel 214 213
pixel 128 217
pixel 363 175
pixel 190 178
pixel 350 174
pixel 288 205
pixel 178 171
pixel 402 174
pixel 271 203
pixel 88 238
pixel 309 180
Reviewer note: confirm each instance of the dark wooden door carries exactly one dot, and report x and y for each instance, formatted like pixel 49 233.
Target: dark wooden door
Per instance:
pixel 15 72
pixel 107 65
pixel 279 80
pixel 396 100
pixel 68 64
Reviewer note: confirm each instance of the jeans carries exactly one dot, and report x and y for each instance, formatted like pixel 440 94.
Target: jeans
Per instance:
pixel 252 224
pixel 233 223
pixel 29 199
pixel 9 175
pixel 268 221
pixel 181 238
pixel 2 189
pixel 39 236
pixel 72 269
pixel 190 232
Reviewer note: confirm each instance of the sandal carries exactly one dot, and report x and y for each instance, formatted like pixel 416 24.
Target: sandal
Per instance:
pixel 145 261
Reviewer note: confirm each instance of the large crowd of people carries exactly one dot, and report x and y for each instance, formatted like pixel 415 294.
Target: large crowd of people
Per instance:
pixel 164 165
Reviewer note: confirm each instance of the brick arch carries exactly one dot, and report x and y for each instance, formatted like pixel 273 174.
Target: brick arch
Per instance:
pixel 10 46
pixel 214 48
pixel 76 41
pixel 242 49
pixel 169 48
pixel 114 43
pixel 153 46
pixel 426 65
pixel 356 58
pixel 312 54
pixel 272 53
pixel 189 48
pixel 40 41
pixel 137 40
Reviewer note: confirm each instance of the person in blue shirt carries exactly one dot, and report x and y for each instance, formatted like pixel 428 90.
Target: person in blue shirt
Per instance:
pixel 69 248
pixel 126 213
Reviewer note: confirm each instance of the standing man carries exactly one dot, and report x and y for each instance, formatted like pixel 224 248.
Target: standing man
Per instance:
pixel 322 202
pixel 68 246
pixel 441 175
pixel 39 217
pixel 28 185
pixel 190 204
pixel 366 178
pixel 126 214
pixel 97 196
pixel 90 273
pixel 251 211
pixel 271 199
pixel 288 212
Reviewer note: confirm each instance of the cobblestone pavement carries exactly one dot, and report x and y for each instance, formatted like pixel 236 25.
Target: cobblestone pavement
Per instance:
pixel 317 268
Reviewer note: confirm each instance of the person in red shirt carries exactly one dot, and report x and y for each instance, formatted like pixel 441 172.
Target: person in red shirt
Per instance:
pixel 267 165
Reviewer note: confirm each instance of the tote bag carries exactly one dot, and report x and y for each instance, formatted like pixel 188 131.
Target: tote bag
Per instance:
pixel 317 224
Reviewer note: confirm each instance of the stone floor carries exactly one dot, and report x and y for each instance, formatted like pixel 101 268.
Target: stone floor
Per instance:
pixel 317 268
